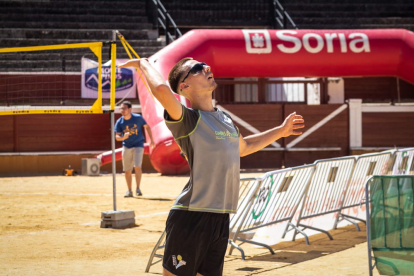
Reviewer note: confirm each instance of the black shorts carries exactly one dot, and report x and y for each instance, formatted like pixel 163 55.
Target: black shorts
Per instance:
pixel 196 242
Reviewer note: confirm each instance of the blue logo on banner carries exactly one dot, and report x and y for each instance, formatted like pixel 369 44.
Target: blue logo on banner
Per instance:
pixel 123 79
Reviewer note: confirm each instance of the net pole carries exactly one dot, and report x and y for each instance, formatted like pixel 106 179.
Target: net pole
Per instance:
pixel 113 58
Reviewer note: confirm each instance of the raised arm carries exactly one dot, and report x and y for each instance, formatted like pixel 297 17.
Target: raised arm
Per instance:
pixel 256 142
pixel 158 86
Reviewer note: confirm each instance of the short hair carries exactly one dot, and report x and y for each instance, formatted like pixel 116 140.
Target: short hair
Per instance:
pixel 127 103
pixel 176 73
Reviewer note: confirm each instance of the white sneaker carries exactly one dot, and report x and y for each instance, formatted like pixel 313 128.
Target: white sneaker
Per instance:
pixel 128 194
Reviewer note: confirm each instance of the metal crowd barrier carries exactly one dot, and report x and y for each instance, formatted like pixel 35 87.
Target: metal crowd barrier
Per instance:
pixel 246 191
pixel 272 199
pixel 326 191
pixel 404 162
pixel 330 186
pixel 366 166
pixel 160 245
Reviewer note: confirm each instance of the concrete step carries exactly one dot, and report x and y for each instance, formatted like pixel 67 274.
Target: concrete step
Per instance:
pixel 376 2
pixel 60 18
pixel 72 55
pixel 217 5
pixel 77 53
pixel 24 42
pixel 189 25
pixel 34 56
pixel 99 34
pixel 43 65
pixel 354 14
pixel 75 25
pixel 201 16
pixel 84 5
pixel 356 21
pixel 409 27
pixel 357 7
pixel 128 11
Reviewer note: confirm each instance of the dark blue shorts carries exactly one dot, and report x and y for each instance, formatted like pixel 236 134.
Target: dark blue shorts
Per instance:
pixel 196 242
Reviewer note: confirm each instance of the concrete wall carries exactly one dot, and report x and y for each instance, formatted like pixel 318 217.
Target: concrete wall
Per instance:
pixel 54 164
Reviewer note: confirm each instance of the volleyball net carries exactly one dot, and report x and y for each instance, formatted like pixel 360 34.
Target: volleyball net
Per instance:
pixel 45 80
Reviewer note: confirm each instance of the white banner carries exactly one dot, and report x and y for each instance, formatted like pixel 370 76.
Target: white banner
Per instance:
pixel 126 85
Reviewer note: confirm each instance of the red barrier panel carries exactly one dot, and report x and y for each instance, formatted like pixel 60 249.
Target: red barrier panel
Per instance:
pixel 275 53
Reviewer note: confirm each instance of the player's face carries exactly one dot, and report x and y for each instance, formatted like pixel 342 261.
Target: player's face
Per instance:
pixel 199 77
pixel 125 110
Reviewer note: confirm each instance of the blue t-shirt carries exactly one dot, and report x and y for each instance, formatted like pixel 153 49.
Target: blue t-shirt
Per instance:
pixel 134 127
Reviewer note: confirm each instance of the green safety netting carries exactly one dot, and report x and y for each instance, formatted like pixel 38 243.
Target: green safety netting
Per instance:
pixel 392 224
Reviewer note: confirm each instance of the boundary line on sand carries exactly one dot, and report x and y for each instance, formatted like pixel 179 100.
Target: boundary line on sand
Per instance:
pixel 81 224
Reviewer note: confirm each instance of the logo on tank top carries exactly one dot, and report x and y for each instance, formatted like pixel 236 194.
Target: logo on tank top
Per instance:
pixel 178 261
pixel 226 134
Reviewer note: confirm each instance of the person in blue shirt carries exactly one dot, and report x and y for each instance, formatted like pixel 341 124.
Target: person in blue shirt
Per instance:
pixel 128 129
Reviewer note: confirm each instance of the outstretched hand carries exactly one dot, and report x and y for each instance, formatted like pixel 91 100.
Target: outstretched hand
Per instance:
pixel 292 123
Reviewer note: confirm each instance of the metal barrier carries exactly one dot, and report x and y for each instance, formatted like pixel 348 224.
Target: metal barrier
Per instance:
pixel 326 191
pixel 366 166
pixel 248 188
pixel 272 198
pixel 404 162
pixel 158 246
pixel 390 224
pixel 330 186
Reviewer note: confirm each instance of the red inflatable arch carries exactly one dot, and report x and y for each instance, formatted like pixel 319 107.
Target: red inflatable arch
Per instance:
pixel 274 53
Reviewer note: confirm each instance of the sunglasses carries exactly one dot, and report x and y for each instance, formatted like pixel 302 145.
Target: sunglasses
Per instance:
pixel 197 68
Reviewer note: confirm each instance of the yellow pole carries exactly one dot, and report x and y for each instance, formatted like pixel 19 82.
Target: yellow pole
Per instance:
pixel 113 74
pixel 100 78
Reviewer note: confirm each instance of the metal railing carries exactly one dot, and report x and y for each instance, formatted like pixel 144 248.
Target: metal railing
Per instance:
pixel 366 166
pixel 266 90
pixel 404 162
pixel 329 186
pixel 160 245
pixel 326 191
pixel 272 199
pixel 280 17
pixel 161 18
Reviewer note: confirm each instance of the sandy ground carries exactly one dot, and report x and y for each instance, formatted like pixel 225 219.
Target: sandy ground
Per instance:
pixel 51 226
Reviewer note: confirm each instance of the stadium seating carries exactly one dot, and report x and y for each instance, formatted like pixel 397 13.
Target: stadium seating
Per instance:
pixel 29 23
pixel 307 14
pixel 348 14
pixel 35 23
pixel 220 14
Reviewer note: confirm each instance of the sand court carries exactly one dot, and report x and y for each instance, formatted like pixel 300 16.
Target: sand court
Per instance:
pixel 50 225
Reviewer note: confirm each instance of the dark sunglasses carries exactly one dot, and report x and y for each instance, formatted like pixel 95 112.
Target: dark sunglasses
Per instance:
pixel 198 67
